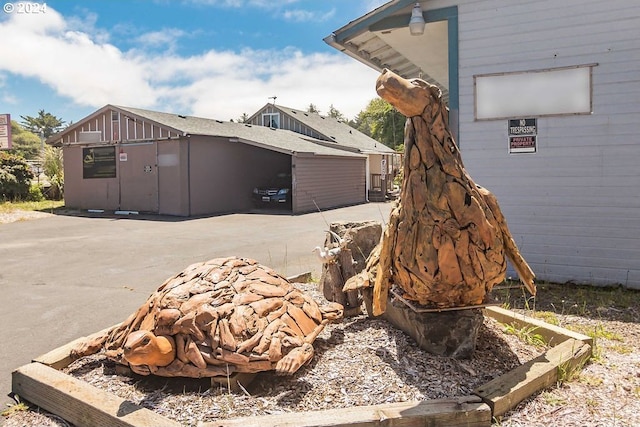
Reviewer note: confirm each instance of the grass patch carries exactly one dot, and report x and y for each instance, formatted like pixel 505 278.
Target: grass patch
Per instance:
pixel 41 206
pixel 568 373
pixel 595 302
pixel 552 399
pixel 590 380
pixel 599 331
pixel 592 403
pixel 526 334
pixel 547 316
pixel 621 348
pixel 19 406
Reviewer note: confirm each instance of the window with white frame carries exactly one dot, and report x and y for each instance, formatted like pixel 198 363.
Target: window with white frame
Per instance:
pixel 271 120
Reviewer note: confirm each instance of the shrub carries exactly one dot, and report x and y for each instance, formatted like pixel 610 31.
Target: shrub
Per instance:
pixel 15 177
pixel 52 165
pixel 35 193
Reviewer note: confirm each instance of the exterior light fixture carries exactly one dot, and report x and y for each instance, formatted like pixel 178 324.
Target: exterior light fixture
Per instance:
pixel 416 23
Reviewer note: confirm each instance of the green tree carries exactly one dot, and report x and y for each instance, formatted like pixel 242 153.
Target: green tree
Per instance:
pixel 382 122
pixel 312 109
pixel 336 114
pixel 45 123
pixel 24 143
pixel 244 118
pixel 15 177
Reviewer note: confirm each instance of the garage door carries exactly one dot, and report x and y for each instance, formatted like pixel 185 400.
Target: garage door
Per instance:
pixel 327 182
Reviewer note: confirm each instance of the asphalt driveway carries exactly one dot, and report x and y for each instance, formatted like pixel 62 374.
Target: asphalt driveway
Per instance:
pixel 63 277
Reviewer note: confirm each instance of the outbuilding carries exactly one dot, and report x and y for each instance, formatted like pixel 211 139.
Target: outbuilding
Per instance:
pixel 545 104
pixel 382 161
pixel 135 160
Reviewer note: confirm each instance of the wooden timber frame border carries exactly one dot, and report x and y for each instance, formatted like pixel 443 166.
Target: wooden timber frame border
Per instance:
pixel 82 404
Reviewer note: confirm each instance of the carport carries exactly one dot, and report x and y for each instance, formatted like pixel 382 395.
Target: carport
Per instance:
pixel 128 159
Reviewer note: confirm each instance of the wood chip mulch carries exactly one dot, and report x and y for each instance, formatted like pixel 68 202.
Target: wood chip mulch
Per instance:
pixel 364 361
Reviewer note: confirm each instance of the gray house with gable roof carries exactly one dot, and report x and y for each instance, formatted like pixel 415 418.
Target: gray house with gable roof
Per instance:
pixel 130 159
pixel 334 133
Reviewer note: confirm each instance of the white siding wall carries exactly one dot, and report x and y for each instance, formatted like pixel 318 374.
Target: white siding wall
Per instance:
pixel 574 206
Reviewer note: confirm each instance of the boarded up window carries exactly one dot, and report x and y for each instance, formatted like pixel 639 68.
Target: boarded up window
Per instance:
pixel 99 162
pixel 533 93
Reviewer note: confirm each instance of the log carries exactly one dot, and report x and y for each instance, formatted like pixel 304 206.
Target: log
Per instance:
pixel 505 392
pixel 551 334
pixel 458 412
pixel 79 402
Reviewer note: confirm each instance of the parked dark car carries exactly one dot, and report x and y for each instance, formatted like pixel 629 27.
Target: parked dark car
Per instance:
pixel 276 192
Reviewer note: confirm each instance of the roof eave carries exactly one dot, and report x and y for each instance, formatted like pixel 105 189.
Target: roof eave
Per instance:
pixel 350 51
pixel 361 25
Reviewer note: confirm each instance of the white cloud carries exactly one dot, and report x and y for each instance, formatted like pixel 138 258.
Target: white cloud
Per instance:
pixel 5 96
pixel 8 98
pixel 296 79
pixel 299 15
pixel 218 84
pixel 166 38
pixel 265 4
pixel 87 24
pixel 374 4
pixel 90 73
pixel 281 8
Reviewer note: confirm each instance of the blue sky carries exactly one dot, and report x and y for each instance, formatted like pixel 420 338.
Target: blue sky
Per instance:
pixel 209 58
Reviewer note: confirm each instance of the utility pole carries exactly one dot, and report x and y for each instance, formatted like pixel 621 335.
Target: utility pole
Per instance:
pixel 40 161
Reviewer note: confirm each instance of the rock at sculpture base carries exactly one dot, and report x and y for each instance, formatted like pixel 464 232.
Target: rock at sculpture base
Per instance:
pixel 444 333
pixel 357 241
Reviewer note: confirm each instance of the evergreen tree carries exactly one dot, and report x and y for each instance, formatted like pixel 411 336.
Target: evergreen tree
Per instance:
pixel 333 112
pixel 45 123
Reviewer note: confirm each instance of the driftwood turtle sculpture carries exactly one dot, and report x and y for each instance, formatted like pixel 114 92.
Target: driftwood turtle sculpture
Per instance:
pixel 216 318
pixel 447 241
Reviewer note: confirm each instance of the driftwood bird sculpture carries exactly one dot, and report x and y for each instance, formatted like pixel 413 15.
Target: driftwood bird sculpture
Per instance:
pixel 328 255
pixel 215 318
pixel 447 241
